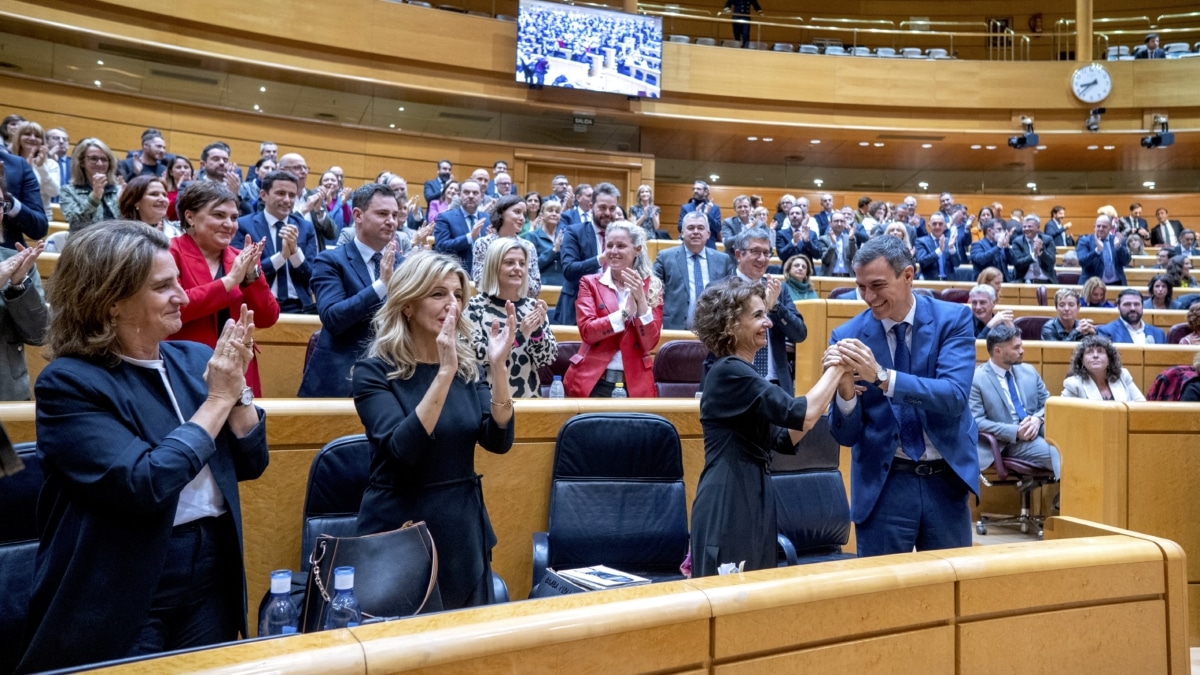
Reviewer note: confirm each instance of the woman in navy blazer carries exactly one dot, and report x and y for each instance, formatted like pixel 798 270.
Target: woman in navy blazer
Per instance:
pixel 143 444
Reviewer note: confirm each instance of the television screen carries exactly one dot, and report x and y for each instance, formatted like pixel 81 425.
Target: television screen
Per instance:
pixel 587 48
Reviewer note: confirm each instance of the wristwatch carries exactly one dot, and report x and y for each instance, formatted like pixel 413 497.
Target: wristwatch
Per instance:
pixel 881 377
pixel 246 398
pixel 13 291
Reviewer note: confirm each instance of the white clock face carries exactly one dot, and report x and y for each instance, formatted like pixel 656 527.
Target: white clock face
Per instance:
pixel 1091 84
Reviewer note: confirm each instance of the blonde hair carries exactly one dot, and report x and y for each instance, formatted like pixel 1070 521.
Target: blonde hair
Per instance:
pixel 79 174
pixel 18 147
pixel 641 261
pixel 412 282
pixel 489 282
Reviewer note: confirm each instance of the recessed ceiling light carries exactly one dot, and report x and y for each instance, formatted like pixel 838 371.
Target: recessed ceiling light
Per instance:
pixel 815 141
pixel 97 83
pixel 1041 147
pixel 976 147
pixel 991 147
pixel 752 138
pixel 401 108
pixel 927 145
pixel 1148 183
pixel 714 177
pixel 1031 185
pixel 767 140
pixel 864 143
pixel 1110 147
pixel 923 185
pixel 392 126
pixel 818 182
pixel 256 107
pixel 99 63
pixel 262 89
pixel 879 145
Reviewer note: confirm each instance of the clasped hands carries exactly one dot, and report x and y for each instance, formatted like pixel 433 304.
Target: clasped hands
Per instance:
pixel 18 267
pixel 857 362
pixel 1028 428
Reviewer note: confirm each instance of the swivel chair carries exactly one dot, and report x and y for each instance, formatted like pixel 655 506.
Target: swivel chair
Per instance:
pixel 1031 326
pixel 811 508
pixel 18 551
pixel 1021 474
pixel 678 368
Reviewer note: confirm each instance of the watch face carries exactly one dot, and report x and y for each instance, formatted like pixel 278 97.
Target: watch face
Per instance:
pixel 247 396
pixel 1091 84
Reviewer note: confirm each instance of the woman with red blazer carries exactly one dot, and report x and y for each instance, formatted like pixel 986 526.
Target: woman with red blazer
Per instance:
pixel 619 313
pixel 219 279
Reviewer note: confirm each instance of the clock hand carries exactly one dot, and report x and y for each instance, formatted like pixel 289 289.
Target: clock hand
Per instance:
pixel 1093 83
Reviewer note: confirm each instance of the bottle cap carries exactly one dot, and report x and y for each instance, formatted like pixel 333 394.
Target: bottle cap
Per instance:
pixel 281 581
pixel 343 578
pixel 558 378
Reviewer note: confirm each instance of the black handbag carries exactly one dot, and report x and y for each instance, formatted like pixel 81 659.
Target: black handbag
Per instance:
pixel 395 574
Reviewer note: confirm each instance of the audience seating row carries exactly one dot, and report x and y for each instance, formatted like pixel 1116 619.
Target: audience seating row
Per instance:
pixel 830 49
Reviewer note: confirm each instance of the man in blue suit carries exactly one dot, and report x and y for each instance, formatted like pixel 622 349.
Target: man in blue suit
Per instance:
pixel 582 211
pixel 936 252
pixel 1103 254
pixel 58 144
pixel 914 460
pixel 993 250
pixel 582 249
pixel 456 230
pixel 21 202
pixel 701 202
pixel 351 284
pixel 685 271
pixel 434 187
pixel 1130 328
pixel 752 250
pixel 291 242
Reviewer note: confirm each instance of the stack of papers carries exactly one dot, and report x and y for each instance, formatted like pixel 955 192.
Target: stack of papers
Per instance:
pixel 599 577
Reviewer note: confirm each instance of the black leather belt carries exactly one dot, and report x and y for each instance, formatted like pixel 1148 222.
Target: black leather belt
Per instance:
pixel 920 468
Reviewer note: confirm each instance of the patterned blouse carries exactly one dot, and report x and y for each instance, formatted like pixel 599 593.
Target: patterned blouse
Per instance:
pixel 528 353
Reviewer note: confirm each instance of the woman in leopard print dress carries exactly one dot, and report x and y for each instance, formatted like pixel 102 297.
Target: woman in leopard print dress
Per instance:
pixel 505 279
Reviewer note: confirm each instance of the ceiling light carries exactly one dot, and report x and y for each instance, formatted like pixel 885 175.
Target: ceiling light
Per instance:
pixel 392 126
pixel 256 107
pixel 1148 184
pixel 991 147
pixel 714 177
pixel 818 182
pixel 99 63
pixel 767 140
pixel 1041 147
pixel 815 141
pixel 1110 147
pixel 879 145
pixel 1093 147
pixel 97 83
pixel 1032 186
pixel 927 145
pixel 923 185
pixel 752 138
pixel 401 108
pixel 976 147
pixel 863 143
pixel 262 89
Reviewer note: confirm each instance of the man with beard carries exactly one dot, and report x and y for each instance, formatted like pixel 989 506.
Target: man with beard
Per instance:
pixel 702 203
pixel 582 249
pixel 1130 328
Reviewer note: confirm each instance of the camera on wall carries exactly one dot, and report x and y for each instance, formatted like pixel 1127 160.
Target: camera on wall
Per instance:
pixel 1093 121
pixel 1026 139
pixel 1159 136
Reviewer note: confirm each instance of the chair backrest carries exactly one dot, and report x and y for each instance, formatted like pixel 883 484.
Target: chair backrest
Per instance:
pixel 761 46
pixel 1068 278
pixel 937 53
pixel 734 44
pixel 810 49
pixel 617 496
pixel 336 481
pixel 842 291
pixel 706 41
pixel 18 551
pixel 1041 296
pixel 1031 326
pixel 1177 47
pixel 566 349
pixel 679 39
pixel 812 511
pixel 835 50
pixel 678 368
pixel 312 347
pixel 783 47
pixel 862 51
pixel 885 51
pixel 1177 333
pixel 912 53
pixel 958 295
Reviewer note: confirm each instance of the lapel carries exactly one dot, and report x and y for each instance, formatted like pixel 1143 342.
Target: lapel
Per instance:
pixel 354 260
pixel 924 333
pixel 263 231
pixel 874 338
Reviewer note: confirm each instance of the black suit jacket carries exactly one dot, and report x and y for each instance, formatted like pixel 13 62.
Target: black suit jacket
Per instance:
pixel 1158 235
pixel 29 219
pixel 299 276
pixel 1023 258
pixel 433 190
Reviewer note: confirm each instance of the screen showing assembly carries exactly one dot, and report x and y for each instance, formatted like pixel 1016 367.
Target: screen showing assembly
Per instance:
pixel 585 48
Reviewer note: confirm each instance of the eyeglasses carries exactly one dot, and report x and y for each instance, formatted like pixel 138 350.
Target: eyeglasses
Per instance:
pixel 757 252
pixel 97 160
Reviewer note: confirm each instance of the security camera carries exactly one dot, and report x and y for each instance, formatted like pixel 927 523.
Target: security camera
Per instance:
pixel 1093 121
pixel 1159 137
pixel 1026 139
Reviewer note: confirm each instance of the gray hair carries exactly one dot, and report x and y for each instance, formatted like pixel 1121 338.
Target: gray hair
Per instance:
pixel 983 289
pixel 1034 218
pixel 695 217
pixel 742 239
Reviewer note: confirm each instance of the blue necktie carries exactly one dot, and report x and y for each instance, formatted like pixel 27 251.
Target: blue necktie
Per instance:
pixel 698 281
pixel 375 261
pixel 281 274
pixel 1110 272
pixel 912 438
pixel 941 261
pixel 1012 393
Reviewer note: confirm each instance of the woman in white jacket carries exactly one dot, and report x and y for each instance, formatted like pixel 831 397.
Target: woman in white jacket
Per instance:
pixel 1096 373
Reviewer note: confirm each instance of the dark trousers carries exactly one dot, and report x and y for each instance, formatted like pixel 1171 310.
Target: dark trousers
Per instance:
pixel 741 28
pixel 603 389
pixel 194 604
pixel 925 512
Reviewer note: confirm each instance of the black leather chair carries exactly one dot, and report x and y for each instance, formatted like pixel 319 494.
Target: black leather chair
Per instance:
pixel 846 292
pixel 812 510
pixel 1178 332
pixel 1068 278
pixel 959 295
pixel 336 481
pixel 18 550
pixel 616 498
pixel 678 368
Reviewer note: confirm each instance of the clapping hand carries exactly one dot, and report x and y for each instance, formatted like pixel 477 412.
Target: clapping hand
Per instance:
pixel 387 263
pixel 1004 316
pixel 447 343
pixel 636 303
pixel 774 289
pixel 233 178
pixel 288 236
pixel 534 319
pixel 245 267
pixel 18 267
pixel 99 182
pixel 225 374
pixel 500 342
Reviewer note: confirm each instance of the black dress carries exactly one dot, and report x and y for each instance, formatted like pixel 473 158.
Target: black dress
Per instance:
pixel 733 517
pixel 416 476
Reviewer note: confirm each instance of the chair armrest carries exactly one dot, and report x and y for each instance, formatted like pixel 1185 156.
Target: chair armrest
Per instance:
pixel 789 550
pixel 499 588
pixel 997 462
pixel 541 556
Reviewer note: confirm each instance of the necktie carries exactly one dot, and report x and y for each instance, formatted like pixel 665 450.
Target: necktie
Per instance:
pixel 281 275
pixel 1012 393
pixel 1110 272
pixel 942 259
pixel 1169 234
pixel 912 438
pixel 375 260
pixel 760 361
pixel 697 285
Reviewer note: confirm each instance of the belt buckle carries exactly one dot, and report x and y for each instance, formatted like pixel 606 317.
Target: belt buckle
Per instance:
pixel 924 469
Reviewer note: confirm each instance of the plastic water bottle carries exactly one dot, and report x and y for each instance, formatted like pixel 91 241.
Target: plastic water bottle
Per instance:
pixel 343 610
pixel 619 391
pixel 279 616
pixel 556 388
